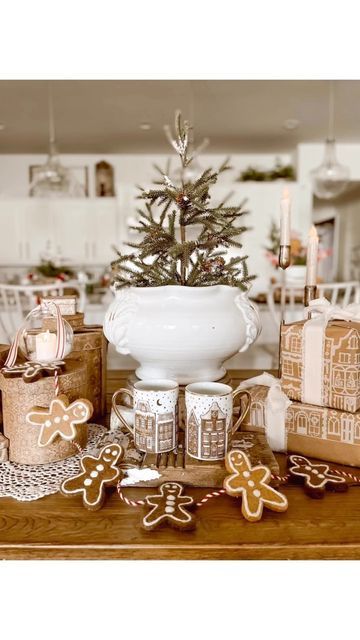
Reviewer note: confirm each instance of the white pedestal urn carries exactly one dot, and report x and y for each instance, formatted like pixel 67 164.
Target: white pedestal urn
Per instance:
pixel 182 333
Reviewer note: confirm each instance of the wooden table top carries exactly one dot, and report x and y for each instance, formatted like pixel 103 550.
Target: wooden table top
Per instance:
pixel 60 528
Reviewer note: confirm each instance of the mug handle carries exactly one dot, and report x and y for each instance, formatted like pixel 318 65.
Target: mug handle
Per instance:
pixel 117 412
pixel 242 416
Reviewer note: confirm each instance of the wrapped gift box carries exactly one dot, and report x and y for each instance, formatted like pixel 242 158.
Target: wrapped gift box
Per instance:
pixel 318 432
pixel 321 365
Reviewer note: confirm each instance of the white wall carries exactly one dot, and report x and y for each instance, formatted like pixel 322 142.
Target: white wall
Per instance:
pixel 129 169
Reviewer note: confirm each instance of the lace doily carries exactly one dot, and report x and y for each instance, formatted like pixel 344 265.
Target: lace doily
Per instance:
pixel 30 482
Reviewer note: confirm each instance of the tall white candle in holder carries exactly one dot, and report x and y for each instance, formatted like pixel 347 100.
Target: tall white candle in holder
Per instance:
pixel 45 346
pixel 285 207
pixel 312 257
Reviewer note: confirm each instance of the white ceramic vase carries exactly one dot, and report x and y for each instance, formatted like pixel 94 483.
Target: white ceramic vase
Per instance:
pixel 182 333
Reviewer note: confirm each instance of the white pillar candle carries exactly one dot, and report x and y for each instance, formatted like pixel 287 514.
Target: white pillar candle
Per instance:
pixel 45 346
pixel 312 257
pixel 285 206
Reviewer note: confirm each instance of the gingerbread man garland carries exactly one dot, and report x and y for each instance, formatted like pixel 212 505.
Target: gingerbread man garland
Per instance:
pixel 33 371
pixel 97 473
pixel 252 484
pixel 169 508
pixel 60 419
pixel 316 477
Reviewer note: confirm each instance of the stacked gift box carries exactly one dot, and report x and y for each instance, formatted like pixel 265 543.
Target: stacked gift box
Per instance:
pixel 320 375
pixel 81 375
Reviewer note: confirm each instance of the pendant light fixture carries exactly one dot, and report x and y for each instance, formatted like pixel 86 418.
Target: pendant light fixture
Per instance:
pixel 52 179
pixel 331 178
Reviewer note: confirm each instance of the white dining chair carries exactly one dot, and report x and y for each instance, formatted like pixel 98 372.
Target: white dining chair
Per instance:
pixel 17 300
pixel 291 308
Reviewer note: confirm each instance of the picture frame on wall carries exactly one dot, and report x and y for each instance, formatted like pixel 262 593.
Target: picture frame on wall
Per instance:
pixel 80 174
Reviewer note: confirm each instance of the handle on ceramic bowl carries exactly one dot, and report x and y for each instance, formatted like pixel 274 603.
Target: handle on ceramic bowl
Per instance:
pixel 117 412
pixel 243 414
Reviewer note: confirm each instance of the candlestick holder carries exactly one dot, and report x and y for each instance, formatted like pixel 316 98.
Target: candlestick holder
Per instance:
pixel 284 263
pixel 310 293
pixel 284 256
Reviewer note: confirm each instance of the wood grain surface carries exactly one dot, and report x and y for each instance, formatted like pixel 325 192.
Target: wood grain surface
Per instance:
pixel 60 528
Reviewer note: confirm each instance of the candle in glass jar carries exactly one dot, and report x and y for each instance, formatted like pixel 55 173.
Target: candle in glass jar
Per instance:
pixel 45 346
pixel 285 205
pixel 312 257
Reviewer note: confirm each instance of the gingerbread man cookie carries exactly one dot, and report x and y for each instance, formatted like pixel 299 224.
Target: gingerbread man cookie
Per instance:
pixel 32 371
pixel 97 473
pixel 169 508
pixel 252 484
pixel 59 419
pixel 316 477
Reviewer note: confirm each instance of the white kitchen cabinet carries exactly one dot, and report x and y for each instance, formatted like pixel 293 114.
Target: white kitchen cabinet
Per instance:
pixel 36 229
pixel 11 247
pixel 71 222
pixel 81 230
pixel 103 231
pixel 25 227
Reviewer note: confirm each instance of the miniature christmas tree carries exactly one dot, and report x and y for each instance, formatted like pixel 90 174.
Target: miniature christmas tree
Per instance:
pixel 165 255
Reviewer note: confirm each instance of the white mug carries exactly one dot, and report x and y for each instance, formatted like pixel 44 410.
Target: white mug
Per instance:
pixel 209 418
pixel 155 414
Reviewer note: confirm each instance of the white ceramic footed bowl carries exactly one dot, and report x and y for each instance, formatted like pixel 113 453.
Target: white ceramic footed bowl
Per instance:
pixel 182 333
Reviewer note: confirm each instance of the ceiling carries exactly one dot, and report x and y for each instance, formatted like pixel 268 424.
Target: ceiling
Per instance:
pixel 104 116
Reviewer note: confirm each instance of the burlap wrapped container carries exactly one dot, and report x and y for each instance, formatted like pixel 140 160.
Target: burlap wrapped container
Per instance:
pixel 90 347
pixel 337 367
pixel 318 432
pixel 19 397
pixel 4 350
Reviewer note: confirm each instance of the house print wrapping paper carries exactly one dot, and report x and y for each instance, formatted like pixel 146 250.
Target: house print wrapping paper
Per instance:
pixel 318 432
pixel 337 369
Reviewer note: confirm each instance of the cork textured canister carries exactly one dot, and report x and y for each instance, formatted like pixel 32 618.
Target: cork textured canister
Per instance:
pixel 4 350
pixel 90 348
pixel 19 397
pixel 76 321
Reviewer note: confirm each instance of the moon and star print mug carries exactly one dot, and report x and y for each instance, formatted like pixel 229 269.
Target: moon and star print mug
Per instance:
pixel 155 414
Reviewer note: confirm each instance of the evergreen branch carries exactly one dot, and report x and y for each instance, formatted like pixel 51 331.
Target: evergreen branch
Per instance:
pixel 160 257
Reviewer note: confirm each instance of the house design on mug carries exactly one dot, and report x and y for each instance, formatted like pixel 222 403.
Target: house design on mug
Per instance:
pixel 207 439
pixel 152 428
pixel 341 370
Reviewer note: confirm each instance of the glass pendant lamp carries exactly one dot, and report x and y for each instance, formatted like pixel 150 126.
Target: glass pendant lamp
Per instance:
pixel 52 179
pixel 331 178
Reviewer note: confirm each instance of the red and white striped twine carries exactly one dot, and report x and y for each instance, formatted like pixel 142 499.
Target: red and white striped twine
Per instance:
pixel 76 444
pixel 130 503
pixel 208 496
pixel 346 474
pixel 221 492
pixel 280 478
pixel 56 382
